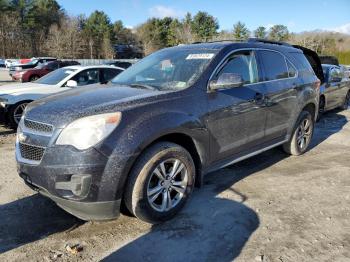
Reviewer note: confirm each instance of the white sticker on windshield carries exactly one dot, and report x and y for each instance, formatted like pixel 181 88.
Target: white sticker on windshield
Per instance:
pixel 199 56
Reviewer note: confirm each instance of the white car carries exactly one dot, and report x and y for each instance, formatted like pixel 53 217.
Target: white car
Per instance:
pixel 10 62
pixel 15 97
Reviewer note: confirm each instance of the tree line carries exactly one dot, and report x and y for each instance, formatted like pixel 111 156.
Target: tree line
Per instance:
pixel 42 27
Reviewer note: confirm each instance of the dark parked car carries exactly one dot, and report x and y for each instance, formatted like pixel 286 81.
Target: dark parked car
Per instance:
pixel 127 52
pixel 328 59
pixel 33 63
pixel 166 121
pixel 335 92
pixel 121 64
pixel 40 70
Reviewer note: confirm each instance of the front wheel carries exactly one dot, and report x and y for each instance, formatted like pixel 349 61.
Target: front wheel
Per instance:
pixel 15 113
pixel 301 136
pixel 160 183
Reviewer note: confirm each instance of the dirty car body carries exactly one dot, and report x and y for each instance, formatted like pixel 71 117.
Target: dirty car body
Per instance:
pixel 217 126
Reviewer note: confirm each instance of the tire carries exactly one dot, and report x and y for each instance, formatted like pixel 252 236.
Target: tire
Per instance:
pixel 346 102
pixel 321 108
pixel 33 78
pixel 15 113
pixel 301 136
pixel 146 194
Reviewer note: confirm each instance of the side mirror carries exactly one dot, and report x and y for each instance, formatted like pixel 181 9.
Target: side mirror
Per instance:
pixel 72 83
pixel 225 81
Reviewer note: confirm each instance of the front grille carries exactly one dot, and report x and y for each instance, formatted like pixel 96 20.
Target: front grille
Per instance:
pixel 30 152
pixel 38 127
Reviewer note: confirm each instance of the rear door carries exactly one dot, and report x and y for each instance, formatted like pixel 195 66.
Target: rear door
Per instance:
pixel 280 80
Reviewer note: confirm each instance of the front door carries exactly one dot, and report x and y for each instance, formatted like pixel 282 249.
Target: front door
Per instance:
pixel 237 119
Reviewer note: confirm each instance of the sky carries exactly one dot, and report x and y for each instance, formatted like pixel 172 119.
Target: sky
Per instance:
pixel 298 15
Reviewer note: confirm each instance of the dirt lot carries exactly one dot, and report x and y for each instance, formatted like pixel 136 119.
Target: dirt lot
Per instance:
pixel 269 208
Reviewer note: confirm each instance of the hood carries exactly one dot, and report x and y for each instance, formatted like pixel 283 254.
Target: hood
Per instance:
pixel 62 108
pixel 20 88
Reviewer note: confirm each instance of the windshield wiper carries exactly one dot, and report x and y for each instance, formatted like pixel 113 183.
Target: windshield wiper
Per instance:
pixel 144 86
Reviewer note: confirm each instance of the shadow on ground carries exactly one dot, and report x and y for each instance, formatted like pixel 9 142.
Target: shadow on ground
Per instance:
pixel 212 227
pixel 31 218
pixel 331 123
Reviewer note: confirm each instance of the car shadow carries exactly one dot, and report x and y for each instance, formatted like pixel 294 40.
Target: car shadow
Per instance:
pixel 5 129
pixel 215 225
pixel 331 122
pixel 31 218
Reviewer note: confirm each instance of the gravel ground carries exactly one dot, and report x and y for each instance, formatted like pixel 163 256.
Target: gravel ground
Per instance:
pixel 4 76
pixel 271 207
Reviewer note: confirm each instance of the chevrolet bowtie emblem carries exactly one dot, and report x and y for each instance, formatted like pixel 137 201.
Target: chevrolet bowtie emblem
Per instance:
pixel 21 137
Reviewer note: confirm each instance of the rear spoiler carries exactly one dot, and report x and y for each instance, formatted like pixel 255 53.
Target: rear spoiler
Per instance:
pixel 314 61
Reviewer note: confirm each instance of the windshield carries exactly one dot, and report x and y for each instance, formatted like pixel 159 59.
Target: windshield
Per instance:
pixel 172 69
pixel 55 77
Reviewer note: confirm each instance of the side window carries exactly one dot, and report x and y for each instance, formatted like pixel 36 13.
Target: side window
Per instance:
pixel 274 65
pixel 108 73
pixel 291 69
pixel 87 77
pixel 335 75
pixel 241 64
pixel 52 65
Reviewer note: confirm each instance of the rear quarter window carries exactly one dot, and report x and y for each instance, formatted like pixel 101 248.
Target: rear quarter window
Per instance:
pixel 303 65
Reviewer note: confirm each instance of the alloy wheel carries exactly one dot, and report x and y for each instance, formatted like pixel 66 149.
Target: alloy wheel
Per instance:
pixel 304 133
pixel 18 112
pixel 167 185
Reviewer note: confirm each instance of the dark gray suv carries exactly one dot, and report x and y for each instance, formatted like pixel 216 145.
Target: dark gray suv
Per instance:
pixel 148 138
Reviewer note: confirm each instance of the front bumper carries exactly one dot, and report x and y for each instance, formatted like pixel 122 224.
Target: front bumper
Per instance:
pixel 55 178
pixel 104 210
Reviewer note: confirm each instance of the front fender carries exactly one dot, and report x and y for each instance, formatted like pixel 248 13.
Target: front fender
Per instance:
pixel 126 145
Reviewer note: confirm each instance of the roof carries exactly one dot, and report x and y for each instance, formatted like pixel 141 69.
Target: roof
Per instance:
pixel 80 67
pixel 250 43
pixel 329 65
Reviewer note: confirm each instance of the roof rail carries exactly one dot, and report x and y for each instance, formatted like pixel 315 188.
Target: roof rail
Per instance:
pixel 218 41
pixel 265 41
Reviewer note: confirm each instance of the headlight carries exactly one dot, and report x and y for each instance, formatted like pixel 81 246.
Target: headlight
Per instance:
pixel 88 131
pixel 17 68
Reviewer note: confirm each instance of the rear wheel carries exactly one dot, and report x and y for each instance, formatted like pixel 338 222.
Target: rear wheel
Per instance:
pixel 346 102
pixel 160 183
pixel 15 113
pixel 301 136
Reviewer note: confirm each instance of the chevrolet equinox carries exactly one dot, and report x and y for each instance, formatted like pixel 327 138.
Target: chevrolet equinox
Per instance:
pixel 147 139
